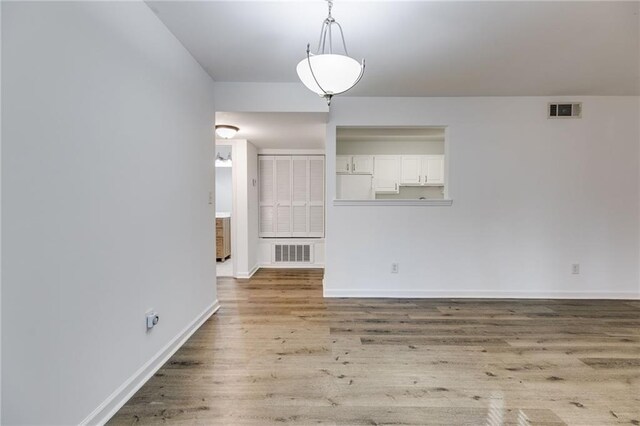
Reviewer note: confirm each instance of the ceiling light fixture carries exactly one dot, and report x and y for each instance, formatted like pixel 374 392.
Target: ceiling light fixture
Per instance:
pixel 225 131
pixel 329 74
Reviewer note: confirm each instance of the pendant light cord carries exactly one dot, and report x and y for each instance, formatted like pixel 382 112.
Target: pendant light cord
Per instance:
pixel 326 30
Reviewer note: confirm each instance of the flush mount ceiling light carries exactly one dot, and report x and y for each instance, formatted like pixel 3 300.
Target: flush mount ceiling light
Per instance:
pixel 225 131
pixel 328 73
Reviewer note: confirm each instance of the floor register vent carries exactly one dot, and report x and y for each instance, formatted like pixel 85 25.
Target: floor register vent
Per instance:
pixel 292 253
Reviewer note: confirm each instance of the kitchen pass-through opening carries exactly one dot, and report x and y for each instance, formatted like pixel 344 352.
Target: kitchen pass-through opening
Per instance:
pixel 391 163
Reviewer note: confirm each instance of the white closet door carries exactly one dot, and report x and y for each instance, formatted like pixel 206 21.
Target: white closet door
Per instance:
pixel 291 196
pixel 266 177
pixel 300 196
pixel 316 196
pixel 283 196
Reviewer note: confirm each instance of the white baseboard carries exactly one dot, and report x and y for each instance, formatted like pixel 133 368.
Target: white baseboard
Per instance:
pixel 417 294
pixel 247 275
pixel 120 396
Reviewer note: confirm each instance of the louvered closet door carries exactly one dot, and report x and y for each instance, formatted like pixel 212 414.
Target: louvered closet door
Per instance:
pixel 267 196
pixel 316 196
pixel 283 196
pixel 300 196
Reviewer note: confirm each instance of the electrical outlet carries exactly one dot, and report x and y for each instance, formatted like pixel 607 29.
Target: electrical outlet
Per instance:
pixel 152 320
pixel 394 268
pixel 575 268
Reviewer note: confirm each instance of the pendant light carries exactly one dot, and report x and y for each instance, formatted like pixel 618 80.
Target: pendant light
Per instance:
pixel 225 131
pixel 325 72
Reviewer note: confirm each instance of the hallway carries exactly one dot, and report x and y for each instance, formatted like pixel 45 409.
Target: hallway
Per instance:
pixel 278 353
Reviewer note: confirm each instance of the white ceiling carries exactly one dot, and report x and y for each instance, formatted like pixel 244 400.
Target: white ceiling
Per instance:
pixel 278 130
pixel 418 48
pixel 379 133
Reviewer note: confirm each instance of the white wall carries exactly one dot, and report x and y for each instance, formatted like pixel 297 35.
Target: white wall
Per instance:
pixel 390 147
pixel 224 189
pixel 531 196
pixel 252 209
pixel 244 217
pixel 267 97
pixel 0 214
pixel 224 182
pixel 106 170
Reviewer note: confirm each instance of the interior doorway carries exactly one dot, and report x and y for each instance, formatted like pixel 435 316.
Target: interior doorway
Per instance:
pixel 224 210
pixel 296 140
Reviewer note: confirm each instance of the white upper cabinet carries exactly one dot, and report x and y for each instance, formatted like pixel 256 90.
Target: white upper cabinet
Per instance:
pixel 422 170
pixel 386 175
pixel 410 173
pixel 433 169
pixel 354 164
pixel 390 172
pixel 362 164
pixel 291 196
pixel 343 164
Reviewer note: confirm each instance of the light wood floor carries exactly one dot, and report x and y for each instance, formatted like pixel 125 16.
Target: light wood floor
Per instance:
pixel 278 353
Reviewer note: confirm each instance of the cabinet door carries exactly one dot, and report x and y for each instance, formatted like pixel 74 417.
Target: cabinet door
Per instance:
pixel 410 170
pixel 343 164
pixel 433 169
pixel 316 196
pixel 300 196
pixel 386 173
pixel 362 164
pixel 266 196
pixel 283 196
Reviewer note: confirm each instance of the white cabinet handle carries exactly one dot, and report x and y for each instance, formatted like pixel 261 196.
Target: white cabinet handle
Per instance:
pixel 419 177
pixel 347 166
pixel 353 167
pixel 396 186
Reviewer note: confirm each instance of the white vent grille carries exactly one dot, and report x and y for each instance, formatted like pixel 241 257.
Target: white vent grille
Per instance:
pixel 565 110
pixel 292 253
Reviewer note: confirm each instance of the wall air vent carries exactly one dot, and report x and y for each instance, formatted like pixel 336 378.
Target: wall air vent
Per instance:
pixel 292 253
pixel 565 110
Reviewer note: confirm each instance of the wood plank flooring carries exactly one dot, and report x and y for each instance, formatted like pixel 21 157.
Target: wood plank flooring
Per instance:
pixel 278 353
